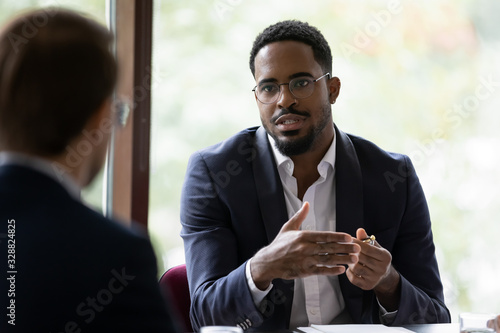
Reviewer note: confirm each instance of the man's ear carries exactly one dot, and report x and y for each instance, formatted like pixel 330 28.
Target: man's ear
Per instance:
pixel 334 88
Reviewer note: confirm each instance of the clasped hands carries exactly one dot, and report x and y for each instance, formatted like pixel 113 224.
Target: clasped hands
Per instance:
pixel 296 253
pixel 495 324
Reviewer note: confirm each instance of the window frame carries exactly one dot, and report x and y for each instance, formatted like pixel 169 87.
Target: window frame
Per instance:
pixel 127 170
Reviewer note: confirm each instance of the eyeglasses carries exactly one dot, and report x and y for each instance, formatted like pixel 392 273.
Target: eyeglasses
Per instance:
pixel 121 110
pixel 300 87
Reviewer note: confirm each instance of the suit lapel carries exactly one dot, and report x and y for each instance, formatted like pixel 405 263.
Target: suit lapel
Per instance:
pixel 349 194
pixel 274 215
pixel 349 186
pixel 269 188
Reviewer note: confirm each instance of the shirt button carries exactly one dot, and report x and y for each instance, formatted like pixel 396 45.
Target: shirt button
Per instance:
pixel 309 227
pixel 312 311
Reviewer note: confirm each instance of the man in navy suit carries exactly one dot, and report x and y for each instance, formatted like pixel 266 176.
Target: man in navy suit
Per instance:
pixel 276 219
pixel 64 267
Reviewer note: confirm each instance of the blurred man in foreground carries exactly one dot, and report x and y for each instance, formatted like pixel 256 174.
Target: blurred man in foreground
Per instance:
pixel 64 267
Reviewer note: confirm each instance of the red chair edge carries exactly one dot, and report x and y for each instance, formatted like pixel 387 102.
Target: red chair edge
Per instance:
pixel 175 285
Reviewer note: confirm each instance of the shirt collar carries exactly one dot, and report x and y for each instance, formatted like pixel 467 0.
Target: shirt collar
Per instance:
pixel 285 163
pixel 43 166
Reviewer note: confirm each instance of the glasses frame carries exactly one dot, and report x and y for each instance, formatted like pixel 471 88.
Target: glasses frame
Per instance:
pixel 288 83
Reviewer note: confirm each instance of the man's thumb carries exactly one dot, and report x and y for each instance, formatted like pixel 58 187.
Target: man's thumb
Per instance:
pixel 295 222
pixel 361 234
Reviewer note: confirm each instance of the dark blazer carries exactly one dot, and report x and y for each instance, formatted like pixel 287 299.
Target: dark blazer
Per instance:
pixel 233 204
pixel 76 270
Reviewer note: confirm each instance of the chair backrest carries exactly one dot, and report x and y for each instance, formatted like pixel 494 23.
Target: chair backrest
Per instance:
pixel 174 283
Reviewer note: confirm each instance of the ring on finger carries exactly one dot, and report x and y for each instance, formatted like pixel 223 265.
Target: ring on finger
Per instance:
pixel 370 240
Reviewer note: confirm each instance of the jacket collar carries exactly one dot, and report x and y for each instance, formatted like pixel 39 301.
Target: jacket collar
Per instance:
pixel 349 186
pixel 268 185
pixel 350 217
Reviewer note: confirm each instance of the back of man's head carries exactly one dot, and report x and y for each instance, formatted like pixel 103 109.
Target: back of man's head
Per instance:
pixel 293 30
pixel 56 70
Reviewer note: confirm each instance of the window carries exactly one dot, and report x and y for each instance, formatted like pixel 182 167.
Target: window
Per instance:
pixel 419 78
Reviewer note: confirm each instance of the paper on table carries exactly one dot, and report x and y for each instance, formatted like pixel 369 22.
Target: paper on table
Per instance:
pixel 354 329
pixel 306 330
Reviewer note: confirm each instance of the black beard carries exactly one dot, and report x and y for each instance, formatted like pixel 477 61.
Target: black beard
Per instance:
pixel 304 144
pixel 296 147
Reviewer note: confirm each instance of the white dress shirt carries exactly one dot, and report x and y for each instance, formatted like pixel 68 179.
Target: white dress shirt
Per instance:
pixel 317 299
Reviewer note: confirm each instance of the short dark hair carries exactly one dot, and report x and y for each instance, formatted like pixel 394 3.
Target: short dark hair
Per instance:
pixel 292 30
pixel 56 70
